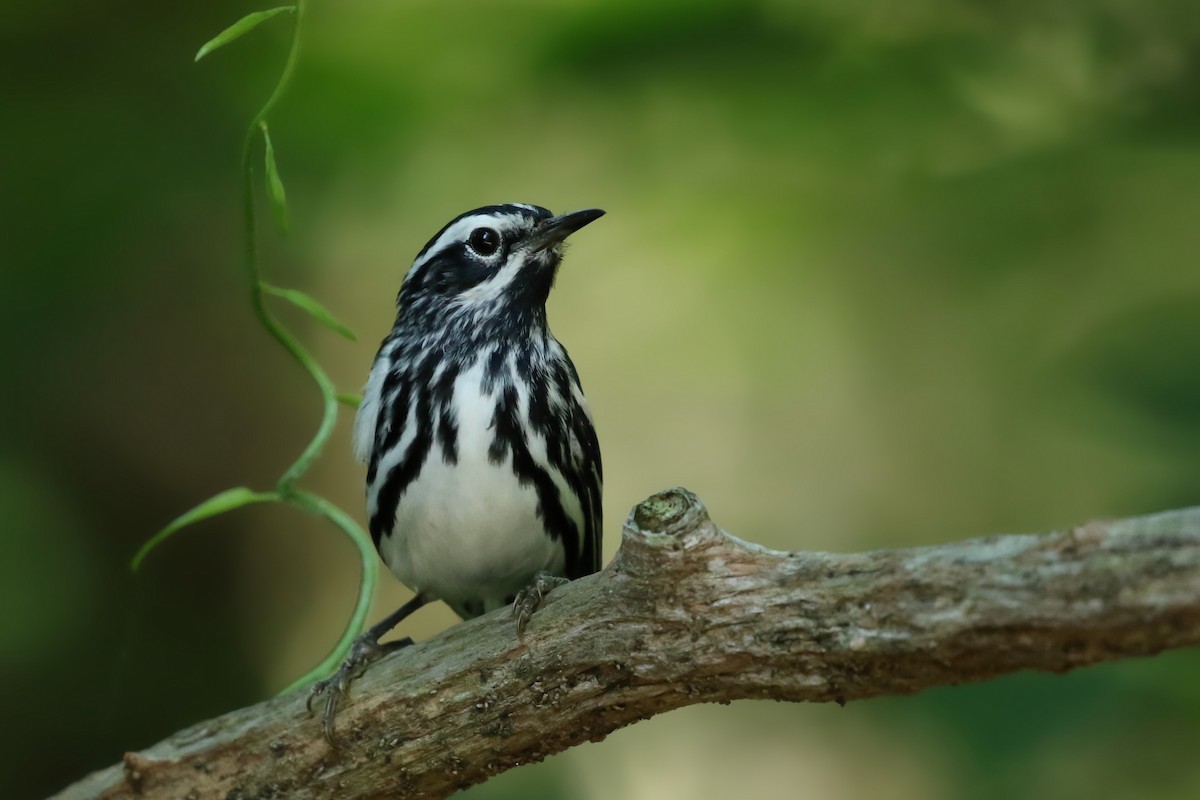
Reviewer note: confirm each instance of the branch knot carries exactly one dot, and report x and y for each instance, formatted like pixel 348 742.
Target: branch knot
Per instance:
pixel 687 613
pixel 669 513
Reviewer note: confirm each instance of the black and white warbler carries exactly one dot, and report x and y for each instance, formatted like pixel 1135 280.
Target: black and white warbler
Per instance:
pixel 483 467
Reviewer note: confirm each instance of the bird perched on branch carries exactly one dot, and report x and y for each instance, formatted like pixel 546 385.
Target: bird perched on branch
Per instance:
pixel 483 467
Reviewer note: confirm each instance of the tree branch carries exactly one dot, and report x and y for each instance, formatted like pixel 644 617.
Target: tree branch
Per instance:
pixel 688 614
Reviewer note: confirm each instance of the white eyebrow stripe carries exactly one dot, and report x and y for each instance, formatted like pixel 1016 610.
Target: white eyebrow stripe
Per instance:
pixel 460 230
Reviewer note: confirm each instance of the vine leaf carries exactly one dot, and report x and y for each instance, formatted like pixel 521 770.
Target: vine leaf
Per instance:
pixel 314 309
pixel 285 492
pixel 239 29
pixel 227 500
pixel 275 184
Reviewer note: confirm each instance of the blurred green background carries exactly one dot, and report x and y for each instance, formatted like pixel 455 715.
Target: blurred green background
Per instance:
pixel 874 274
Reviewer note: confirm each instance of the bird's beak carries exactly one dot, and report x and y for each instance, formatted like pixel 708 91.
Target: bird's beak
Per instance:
pixel 552 231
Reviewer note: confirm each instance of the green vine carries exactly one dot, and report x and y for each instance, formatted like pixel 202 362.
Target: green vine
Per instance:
pixel 286 491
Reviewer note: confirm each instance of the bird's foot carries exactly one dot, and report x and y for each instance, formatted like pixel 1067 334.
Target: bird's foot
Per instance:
pixel 366 650
pixel 530 598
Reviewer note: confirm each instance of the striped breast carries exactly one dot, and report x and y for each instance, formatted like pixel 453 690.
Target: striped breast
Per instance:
pixel 483 471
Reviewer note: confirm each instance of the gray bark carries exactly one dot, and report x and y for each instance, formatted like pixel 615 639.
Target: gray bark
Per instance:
pixel 684 614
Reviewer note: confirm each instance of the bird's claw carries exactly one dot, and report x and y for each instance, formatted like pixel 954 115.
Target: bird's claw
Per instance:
pixel 333 689
pixel 530 598
pixel 365 651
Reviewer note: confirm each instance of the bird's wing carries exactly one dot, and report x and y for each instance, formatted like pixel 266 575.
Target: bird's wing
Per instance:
pixel 588 476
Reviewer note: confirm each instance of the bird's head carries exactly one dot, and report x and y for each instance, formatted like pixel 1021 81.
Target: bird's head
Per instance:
pixel 493 263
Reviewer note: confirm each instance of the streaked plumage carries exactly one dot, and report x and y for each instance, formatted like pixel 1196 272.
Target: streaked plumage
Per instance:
pixel 483 465
pixel 483 468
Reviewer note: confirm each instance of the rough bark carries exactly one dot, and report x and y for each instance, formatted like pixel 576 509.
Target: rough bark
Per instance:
pixel 688 614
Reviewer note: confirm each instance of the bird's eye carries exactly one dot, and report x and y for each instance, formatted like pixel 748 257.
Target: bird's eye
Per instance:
pixel 484 241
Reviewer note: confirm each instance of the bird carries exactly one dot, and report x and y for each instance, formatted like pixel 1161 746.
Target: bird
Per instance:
pixel 484 475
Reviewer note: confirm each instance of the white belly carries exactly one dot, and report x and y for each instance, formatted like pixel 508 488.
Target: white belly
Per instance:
pixel 469 533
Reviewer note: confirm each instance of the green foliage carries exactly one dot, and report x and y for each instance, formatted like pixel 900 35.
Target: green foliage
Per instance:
pixel 239 29
pixel 277 195
pixel 218 504
pixel 920 271
pixel 315 310
pixel 285 491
